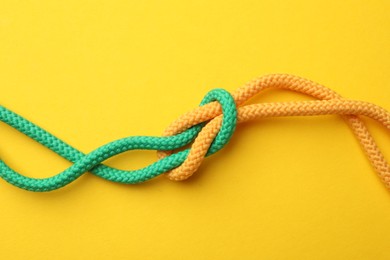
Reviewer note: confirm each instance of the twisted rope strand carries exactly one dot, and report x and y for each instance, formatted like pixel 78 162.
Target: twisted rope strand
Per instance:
pixel 209 127
pixel 91 162
pixel 288 82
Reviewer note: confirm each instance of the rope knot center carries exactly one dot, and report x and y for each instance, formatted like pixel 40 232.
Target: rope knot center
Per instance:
pixel 212 135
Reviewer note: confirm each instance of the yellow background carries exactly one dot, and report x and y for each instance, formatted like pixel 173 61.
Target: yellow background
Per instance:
pixel 94 71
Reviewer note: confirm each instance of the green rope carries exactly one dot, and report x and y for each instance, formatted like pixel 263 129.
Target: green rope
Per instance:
pixel 92 162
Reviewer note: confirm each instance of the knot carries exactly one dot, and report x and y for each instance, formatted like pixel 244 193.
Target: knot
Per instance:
pixel 212 138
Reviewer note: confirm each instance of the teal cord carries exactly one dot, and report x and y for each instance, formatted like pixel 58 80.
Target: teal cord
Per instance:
pixel 92 161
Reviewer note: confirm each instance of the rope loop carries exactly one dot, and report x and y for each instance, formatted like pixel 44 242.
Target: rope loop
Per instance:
pixel 212 138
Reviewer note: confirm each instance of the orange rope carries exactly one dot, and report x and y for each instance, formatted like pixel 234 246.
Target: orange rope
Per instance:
pixel 329 103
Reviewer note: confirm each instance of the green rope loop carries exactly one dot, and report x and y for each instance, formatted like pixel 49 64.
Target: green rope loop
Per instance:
pixel 92 161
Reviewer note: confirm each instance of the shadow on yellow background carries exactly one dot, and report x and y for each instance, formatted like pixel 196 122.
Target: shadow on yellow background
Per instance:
pixel 288 188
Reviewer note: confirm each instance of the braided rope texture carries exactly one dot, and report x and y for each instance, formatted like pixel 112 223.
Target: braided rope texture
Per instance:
pixel 207 129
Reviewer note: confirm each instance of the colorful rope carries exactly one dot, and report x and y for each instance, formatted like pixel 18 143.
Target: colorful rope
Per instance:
pixel 209 128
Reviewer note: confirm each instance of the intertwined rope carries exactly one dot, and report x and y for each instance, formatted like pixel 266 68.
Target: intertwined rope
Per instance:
pixel 208 127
